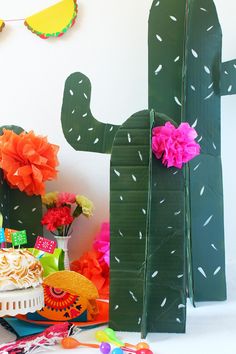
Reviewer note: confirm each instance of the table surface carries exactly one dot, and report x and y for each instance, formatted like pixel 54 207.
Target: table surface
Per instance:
pixel 211 328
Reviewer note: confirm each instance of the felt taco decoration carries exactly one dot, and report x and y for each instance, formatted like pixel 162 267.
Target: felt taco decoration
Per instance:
pixel 68 296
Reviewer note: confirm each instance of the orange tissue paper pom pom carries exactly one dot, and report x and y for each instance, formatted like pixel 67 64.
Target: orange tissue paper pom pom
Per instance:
pixel 28 161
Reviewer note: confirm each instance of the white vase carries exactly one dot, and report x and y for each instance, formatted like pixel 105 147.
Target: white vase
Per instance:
pixel 62 242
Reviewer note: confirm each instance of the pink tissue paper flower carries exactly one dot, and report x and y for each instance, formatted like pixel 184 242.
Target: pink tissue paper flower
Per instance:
pixel 102 243
pixel 175 146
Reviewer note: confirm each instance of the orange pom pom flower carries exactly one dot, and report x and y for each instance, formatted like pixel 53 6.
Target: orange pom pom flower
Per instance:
pixel 28 161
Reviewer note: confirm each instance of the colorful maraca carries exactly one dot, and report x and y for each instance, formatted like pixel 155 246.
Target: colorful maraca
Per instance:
pixel 105 348
pixel 112 335
pixel 140 345
pixel 71 343
pixel 102 336
pixel 117 351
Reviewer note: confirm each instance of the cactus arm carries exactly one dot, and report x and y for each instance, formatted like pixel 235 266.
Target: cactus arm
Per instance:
pixel 82 131
pixel 20 211
pixel 228 78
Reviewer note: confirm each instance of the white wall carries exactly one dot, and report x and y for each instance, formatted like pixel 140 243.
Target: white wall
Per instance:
pixel 109 44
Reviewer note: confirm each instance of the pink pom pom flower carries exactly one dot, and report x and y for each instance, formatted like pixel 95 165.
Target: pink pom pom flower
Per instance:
pixel 175 146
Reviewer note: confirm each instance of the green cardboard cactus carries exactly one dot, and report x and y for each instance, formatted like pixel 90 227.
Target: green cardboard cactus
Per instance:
pixel 20 211
pixel 181 231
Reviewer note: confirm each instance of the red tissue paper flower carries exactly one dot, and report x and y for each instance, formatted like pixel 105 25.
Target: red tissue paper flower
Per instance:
pixel 56 217
pixel 175 146
pixel 94 265
pixel 28 161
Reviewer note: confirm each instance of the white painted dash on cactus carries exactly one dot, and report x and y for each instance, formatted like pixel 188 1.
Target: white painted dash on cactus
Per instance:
pixel 90 129
pixel 71 92
pixel 217 270
pixel 133 296
pixel 172 252
pixel 158 3
pixel 235 66
pixel 207 70
pixel 170 227
pixel 211 85
pixel 163 302
pixel 117 173
pixel 203 9
pixel 214 247
pixel 177 59
pixel 144 211
pixel 159 37
pixel 79 137
pixel 173 18
pixel 84 115
pixel 194 123
pixel 177 212
pixel 200 139
pixel 194 53
pixel 155 274
pixel 181 306
pixel 178 101
pixel 202 191
pixel 193 87
pixel 162 201
pixel 208 221
pixel 139 320
pixel 20 221
pixel 129 137
pixel 116 307
pixel 140 155
pixel 111 128
pixel 202 272
pixel 85 96
pixel 230 88
pixel 214 145
pixel 226 72
pixel 121 198
pixel 80 82
pixel 178 320
pixel 197 166
pixel 209 96
pixel 70 130
pixel 158 69
pixel 96 141
pixel 117 260
pixel 175 173
pixel 134 178
pixel 73 111
pixel 140 235
pixel 121 233
pixel 16 207
pixel 34 209
pixel 209 28
pixel 180 276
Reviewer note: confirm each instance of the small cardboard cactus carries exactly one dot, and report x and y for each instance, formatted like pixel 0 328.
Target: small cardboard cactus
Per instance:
pixel 20 211
pixel 166 231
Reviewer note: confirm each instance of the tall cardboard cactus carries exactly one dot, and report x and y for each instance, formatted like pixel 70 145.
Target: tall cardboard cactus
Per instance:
pixel 20 211
pixel 186 81
pixel 181 230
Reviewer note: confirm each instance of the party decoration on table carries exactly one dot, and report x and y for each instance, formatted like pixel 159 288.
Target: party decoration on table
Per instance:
pixel 49 337
pixel 8 234
pixel 160 216
pixel 45 245
pixel 71 343
pixel 68 296
pixel 175 146
pixel 105 348
pixel 19 238
pixel 94 264
pixel 2 235
pixel 51 262
pixel 103 336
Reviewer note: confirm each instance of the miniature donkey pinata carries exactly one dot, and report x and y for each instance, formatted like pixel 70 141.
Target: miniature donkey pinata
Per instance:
pixel 167 232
